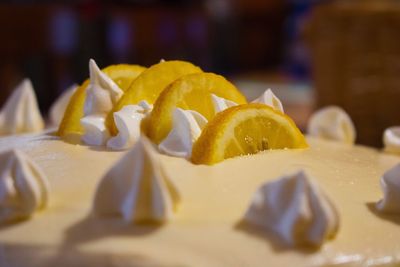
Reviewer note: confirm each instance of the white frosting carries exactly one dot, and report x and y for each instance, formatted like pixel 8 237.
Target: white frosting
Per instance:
pixel 270 99
pixel 96 132
pixel 23 187
pixel 296 209
pixel 102 93
pixel 391 139
pixel 128 121
pixel 137 187
pixel 59 106
pixel 332 123
pixel 390 183
pixel 20 114
pixel 186 128
pixel 221 104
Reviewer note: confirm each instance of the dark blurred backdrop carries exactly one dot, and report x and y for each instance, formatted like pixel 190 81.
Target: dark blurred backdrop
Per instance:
pixel 51 42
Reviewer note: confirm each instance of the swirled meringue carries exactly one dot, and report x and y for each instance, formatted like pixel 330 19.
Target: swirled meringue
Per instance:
pixel 186 128
pixel 137 187
pixel 96 132
pixel 21 114
pixel 23 187
pixel 390 183
pixel 270 99
pixel 102 93
pixel 391 140
pixel 296 209
pixel 221 104
pixel 128 121
pixel 332 123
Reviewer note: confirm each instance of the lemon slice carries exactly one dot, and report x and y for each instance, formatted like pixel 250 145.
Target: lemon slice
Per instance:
pixel 150 84
pixel 192 91
pixel 121 74
pixel 245 129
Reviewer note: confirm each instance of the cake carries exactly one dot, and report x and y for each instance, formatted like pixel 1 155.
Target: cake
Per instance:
pixel 205 215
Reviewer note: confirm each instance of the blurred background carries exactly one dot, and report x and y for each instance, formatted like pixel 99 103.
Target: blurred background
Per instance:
pixel 312 53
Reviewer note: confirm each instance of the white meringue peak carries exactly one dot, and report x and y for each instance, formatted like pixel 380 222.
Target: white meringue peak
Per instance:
pixel 21 114
pixel 332 123
pixel 390 183
pixel 24 188
pixel 221 104
pixel 137 187
pixel 59 106
pixel 102 92
pixel 270 99
pixel 96 132
pixel 101 95
pixel 128 121
pixel 391 140
pixel 294 208
pixel 186 128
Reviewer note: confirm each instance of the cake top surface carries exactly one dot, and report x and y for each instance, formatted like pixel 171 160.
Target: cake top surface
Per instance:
pixel 208 230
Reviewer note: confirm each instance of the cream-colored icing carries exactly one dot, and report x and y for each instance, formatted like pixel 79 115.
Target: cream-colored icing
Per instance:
pixel 137 188
pixel 59 106
pixel 20 113
pixel 294 208
pixel 207 230
pixel 24 188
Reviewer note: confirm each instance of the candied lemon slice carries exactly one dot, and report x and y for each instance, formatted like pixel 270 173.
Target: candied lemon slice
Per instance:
pixel 245 129
pixel 192 91
pixel 121 74
pixel 150 84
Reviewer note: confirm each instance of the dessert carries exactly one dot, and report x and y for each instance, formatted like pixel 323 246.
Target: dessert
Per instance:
pixel 244 130
pixel 21 114
pixel 390 182
pixel 150 84
pixel 295 208
pixel 113 76
pixel 391 139
pixel 191 92
pixel 137 188
pixel 316 206
pixel 332 123
pixel 24 186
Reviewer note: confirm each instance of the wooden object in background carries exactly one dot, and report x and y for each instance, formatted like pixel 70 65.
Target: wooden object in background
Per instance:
pixel 355 54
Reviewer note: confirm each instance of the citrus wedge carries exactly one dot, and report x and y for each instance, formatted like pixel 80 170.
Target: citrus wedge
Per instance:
pixel 150 84
pixel 121 74
pixel 245 129
pixel 192 91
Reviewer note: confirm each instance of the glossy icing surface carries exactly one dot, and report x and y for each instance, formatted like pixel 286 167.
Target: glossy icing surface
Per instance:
pixel 207 229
